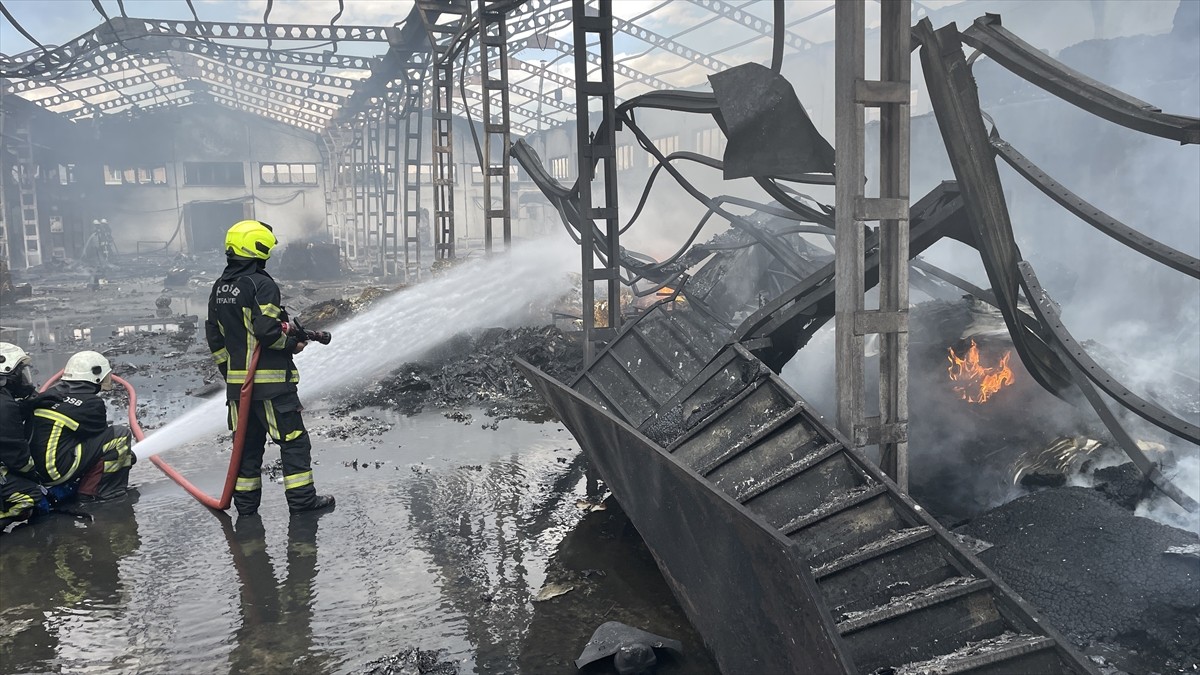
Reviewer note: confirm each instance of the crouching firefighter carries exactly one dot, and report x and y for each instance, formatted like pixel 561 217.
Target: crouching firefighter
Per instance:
pixel 20 494
pixel 243 312
pixel 74 447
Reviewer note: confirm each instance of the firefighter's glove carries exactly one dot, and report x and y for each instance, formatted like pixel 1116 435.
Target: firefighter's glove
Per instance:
pixel 295 343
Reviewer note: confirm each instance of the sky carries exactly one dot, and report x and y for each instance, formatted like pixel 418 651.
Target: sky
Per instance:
pixel 55 21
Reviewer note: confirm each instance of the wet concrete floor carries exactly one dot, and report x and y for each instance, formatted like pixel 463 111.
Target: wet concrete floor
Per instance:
pixel 444 533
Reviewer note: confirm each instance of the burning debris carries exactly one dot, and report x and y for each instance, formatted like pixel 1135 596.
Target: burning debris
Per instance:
pixel 976 381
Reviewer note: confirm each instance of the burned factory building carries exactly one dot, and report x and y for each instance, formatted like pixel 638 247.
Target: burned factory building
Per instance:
pixel 168 180
pixel 685 337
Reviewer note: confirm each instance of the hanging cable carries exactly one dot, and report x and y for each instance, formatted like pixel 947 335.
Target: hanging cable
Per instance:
pixel 21 29
pixel 45 53
pixel 129 53
pixel 341 8
pixel 777 47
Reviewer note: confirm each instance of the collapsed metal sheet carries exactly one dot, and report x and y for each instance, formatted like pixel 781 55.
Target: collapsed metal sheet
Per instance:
pixel 956 106
pixel 769 132
pixel 988 36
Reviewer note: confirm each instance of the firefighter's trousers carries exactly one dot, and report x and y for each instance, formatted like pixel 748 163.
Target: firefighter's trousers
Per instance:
pixel 105 463
pixel 18 496
pixel 279 418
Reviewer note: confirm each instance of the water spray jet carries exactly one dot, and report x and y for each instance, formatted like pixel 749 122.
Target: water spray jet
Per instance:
pixel 473 295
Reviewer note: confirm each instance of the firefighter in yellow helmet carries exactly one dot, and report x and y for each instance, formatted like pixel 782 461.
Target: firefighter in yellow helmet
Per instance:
pixel 244 310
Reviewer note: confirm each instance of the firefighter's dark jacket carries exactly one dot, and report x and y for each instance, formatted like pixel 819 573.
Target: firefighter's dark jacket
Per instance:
pixel 14 434
pixel 243 311
pixel 63 418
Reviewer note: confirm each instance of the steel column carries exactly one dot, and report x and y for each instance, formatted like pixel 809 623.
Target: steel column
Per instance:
pixel 389 237
pixel 414 238
pixel 328 171
pixel 374 190
pixel 493 44
pixel 5 257
pixel 853 93
pixel 597 146
pixel 359 189
pixel 443 38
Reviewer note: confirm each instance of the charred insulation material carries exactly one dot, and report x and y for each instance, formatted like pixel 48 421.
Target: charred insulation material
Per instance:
pixel 1118 591
pixel 477 370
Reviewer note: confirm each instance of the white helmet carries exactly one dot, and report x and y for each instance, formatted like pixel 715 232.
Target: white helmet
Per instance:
pixel 104 221
pixel 88 366
pixel 15 364
pixel 95 222
pixel 11 358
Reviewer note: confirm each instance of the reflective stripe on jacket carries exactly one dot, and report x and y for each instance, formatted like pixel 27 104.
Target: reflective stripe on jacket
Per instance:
pixel 243 311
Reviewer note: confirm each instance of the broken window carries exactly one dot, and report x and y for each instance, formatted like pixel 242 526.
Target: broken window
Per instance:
pixel 624 157
pixel 561 167
pixel 666 145
pixel 287 174
pixel 710 142
pixel 129 175
pixel 216 174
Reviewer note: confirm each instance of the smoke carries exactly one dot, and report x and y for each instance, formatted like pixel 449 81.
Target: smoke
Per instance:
pixel 1186 475
pixel 476 294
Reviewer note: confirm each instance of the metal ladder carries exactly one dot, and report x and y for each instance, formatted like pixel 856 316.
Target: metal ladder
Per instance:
pixel 27 189
pixel 441 39
pixel 493 45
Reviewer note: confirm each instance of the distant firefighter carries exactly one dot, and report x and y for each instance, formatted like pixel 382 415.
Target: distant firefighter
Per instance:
pixel 74 447
pixel 245 310
pixel 162 304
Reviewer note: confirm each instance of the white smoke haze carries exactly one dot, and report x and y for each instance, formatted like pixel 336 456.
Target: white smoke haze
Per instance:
pixel 476 294
pixel 1185 474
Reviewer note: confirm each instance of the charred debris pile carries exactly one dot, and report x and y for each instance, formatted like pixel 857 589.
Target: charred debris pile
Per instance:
pixel 1022 473
pixel 477 370
pixel 1126 589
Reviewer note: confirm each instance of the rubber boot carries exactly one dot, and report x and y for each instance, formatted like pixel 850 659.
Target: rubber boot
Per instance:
pixel 319 502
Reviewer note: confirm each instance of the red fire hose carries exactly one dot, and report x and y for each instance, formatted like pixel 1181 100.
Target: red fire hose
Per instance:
pixel 239 437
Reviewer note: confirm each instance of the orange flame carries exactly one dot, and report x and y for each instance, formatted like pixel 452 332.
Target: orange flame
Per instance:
pixel 977 381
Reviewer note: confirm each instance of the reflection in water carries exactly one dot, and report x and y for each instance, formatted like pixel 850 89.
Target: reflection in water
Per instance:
pixel 480 532
pixel 54 570
pixel 276 617
pixel 439 544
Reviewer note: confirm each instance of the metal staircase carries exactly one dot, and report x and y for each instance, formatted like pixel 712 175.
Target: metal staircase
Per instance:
pixel 883 587
pixel 903 595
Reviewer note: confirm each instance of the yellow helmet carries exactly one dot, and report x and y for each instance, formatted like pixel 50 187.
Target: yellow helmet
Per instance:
pixel 250 239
